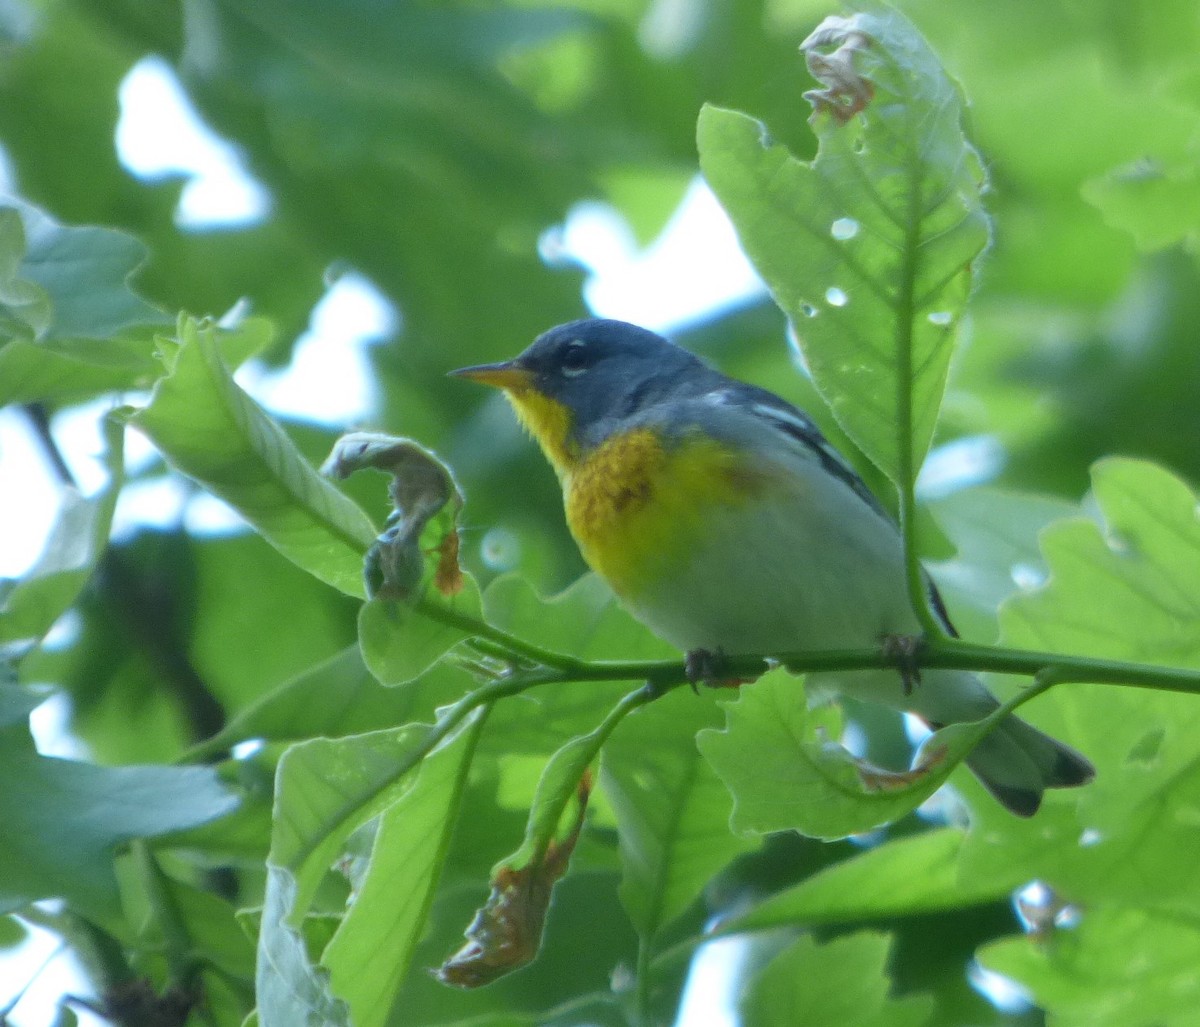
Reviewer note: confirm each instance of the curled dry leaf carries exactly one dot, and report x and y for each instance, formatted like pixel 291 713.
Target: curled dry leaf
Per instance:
pixel 846 91
pixel 878 779
pixel 507 931
pixel 423 523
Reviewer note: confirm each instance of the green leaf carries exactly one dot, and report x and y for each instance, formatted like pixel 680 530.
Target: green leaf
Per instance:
pixel 1124 589
pixel 585 621
pixel 1159 206
pixel 213 432
pixel 777 758
pixel 672 809
pixel 869 248
pixel 506 932
pixel 1116 968
pixel 85 271
pixel 289 988
pixel 339 697
pixel 559 783
pixel 16 703
pixel 62 844
pixel 12 933
pixel 71 370
pixel 903 877
pixel 995 532
pixel 370 955
pixel 213 929
pixel 76 327
pixel 841 982
pixel 75 546
pixel 1140 569
pixel 25 307
pixel 399 642
pixel 325 789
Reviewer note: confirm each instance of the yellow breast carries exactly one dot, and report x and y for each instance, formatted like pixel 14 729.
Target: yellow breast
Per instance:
pixel 637 507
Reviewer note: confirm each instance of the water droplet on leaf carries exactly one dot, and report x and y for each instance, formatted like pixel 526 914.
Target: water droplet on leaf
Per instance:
pixel 843 229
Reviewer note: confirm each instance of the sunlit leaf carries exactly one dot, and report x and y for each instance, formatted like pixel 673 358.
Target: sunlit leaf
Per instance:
pixel 213 432
pixel 1124 588
pixel 841 982
pixel 870 248
pixel 902 877
pixel 325 790
pixel 1116 968
pixel 672 809
pixel 369 956
pixel 996 534
pixel 785 772
pixel 1159 206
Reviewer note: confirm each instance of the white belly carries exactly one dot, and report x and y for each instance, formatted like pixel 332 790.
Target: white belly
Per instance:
pixel 813 569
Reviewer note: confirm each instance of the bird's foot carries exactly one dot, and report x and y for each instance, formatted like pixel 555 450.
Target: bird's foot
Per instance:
pixel 703 667
pixel 904 650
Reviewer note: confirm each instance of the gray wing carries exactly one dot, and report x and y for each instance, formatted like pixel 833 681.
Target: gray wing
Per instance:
pixel 776 414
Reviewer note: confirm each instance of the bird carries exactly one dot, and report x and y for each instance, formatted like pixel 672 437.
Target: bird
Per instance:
pixel 724 521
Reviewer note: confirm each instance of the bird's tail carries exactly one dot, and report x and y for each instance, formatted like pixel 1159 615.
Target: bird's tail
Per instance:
pixel 1016 762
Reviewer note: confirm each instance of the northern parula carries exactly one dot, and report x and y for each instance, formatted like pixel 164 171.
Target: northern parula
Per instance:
pixel 725 522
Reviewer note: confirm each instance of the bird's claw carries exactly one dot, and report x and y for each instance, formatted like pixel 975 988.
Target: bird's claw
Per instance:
pixel 700 667
pixel 903 650
pixel 704 667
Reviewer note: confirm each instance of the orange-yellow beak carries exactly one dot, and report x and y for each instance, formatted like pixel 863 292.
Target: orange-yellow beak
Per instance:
pixel 508 375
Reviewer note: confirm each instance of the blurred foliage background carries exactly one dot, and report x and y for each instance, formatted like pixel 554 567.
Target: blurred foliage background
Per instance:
pixel 436 147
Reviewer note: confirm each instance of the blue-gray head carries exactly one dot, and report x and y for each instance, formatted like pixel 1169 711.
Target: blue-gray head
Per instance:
pixel 579 379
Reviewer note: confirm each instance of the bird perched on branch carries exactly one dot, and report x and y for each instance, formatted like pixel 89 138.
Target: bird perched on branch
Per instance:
pixel 725 522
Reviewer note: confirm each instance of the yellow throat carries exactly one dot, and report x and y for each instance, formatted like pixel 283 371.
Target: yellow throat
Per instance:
pixel 634 505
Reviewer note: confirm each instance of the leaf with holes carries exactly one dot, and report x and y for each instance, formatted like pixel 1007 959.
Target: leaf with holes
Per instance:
pixel 869 249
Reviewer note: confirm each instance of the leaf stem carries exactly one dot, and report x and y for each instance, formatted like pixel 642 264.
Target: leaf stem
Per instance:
pixel 587 747
pixel 643 981
pixel 940 651
pixel 661 676
pixel 918 588
pixel 441 612
pixel 177 945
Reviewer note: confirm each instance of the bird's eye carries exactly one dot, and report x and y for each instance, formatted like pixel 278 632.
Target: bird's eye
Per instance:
pixel 574 359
